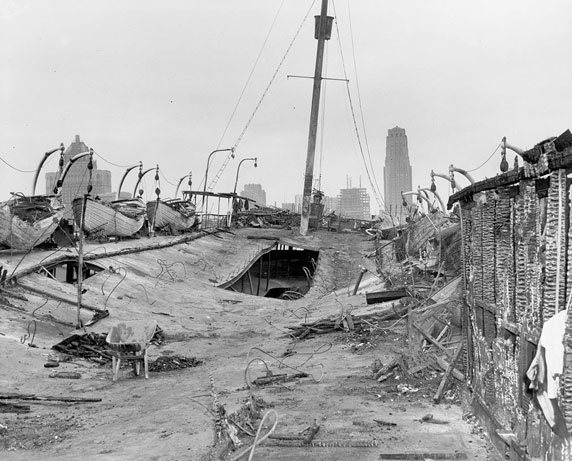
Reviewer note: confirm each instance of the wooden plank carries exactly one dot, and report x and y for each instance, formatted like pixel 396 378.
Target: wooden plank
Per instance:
pixel 51 295
pixel 13 295
pixel 382 296
pixel 445 365
pixel 12 396
pixel 13 408
pixel 430 338
pixel 450 368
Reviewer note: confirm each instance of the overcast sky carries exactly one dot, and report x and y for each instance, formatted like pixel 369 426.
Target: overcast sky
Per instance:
pixel 158 82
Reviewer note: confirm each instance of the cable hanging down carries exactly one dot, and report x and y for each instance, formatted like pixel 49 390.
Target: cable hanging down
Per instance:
pixel 486 161
pixel 111 163
pixel 16 169
pixel 360 103
pixel 373 184
pixel 251 73
pixel 239 139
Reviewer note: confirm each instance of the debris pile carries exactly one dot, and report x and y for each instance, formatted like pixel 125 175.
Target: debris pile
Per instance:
pixel 267 217
pixel 248 415
pixel 173 362
pixel 31 209
pixel 10 402
pixel 36 431
pixel 434 345
pixel 92 346
pixel 348 322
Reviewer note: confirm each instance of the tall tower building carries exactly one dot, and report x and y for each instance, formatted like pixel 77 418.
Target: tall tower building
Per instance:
pixel 76 181
pixel 397 170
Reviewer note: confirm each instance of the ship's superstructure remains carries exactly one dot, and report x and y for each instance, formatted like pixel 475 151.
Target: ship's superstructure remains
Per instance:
pixel 517 261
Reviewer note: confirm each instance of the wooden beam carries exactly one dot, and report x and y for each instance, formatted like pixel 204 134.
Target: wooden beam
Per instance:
pixel 446 376
pixel 445 365
pixel 430 338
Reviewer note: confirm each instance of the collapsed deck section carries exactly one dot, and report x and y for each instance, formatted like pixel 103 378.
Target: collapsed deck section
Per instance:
pixel 283 271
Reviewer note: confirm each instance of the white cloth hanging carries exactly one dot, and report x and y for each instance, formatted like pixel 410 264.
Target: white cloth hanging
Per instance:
pixel 546 368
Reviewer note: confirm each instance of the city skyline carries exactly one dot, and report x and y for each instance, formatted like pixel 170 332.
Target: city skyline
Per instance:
pixel 78 177
pixel 455 80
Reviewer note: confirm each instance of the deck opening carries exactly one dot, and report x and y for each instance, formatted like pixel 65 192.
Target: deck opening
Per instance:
pixel 66 271
pixel 285 272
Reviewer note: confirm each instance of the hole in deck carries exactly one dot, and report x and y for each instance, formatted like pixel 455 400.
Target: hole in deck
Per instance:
pixel 285 272
pixel 66 271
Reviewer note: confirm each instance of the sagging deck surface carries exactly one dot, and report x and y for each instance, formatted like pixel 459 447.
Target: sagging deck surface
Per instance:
pixel 168 416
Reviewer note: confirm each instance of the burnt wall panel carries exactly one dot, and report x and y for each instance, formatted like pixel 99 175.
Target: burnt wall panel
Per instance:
pixel 477 245
pixel 488 247
pixel 518 272
pixel 504 256
pixel 555 243
pixel 466 256
pixel 566 380
pixel 520 266
pixel 531 238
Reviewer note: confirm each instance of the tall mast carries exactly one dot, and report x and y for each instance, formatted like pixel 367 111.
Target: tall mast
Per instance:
pixel 309 176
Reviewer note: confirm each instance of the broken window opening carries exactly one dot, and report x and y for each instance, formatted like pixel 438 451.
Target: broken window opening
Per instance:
pixel 285 272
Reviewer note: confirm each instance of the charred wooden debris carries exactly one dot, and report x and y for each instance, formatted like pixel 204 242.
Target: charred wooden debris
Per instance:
pixel 94 348
pixel 268 217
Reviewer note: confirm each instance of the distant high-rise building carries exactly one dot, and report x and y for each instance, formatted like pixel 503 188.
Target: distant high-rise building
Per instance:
pixel 354 203
pixel 77 179
pixel 255 192
pixel 298 199
pixel 290 206
pixel 331 204
pixel 397 170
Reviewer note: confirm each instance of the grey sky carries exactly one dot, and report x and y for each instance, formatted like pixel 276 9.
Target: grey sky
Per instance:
pixel 157 82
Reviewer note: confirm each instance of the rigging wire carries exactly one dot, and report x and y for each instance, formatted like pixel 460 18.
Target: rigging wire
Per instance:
pixel 266 90
pixel 251 73
pixel 323 123
pixel 17 169
pixel 486 161
pixel 166 180
pixel 359 96
pixel 111 163
pixel 81 184
pixel 378 198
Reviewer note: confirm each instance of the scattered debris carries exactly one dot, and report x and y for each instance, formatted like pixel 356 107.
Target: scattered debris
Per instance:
pixel 406 389
pixel 13 408
pixel 93 347
pixel 66 375
pixel 279 378
pixel 14 396
pixel 429 418
pixel 381 372
pixel 310 432
pixel 29 432
pixel 347 322
pixel 97 317
pixel 448 372
pixel 272 217
pixel 384 423
pixel 173 362
pixel 384 296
